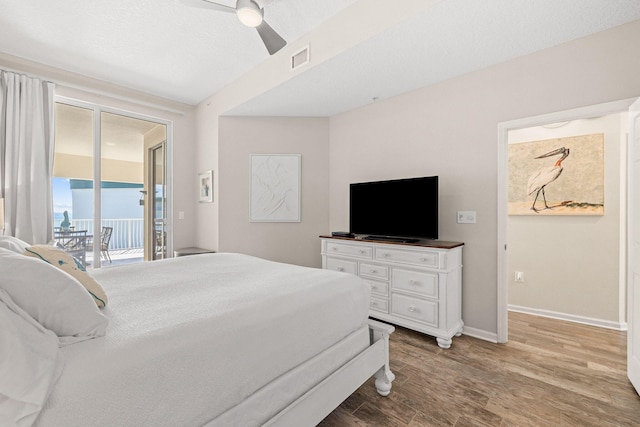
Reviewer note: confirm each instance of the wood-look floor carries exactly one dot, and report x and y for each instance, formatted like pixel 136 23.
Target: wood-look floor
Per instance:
pixel 551 373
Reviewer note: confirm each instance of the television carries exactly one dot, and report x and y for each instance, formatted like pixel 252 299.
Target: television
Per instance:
pixel 400 209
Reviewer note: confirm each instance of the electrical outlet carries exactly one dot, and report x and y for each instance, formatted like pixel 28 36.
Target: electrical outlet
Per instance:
pixel 466 217
pixel 181 215
pixel 519 277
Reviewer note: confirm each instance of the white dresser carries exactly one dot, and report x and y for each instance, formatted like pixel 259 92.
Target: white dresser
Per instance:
pixel 418 286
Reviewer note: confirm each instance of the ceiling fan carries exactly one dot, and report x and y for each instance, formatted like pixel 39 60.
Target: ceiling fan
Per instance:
pixel 251 15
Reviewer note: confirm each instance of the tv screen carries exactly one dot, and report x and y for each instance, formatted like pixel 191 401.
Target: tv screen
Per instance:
pixel 396 208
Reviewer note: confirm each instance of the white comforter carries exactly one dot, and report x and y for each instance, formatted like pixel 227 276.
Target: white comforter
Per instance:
pixel 30 364
pixel 191 337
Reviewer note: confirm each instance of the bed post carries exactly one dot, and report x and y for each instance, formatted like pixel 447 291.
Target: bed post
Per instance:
pixel 384 376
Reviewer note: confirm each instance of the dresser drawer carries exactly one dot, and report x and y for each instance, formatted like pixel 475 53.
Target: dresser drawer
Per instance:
pixel 415 309
pixel 351 250
pixel 378 304
pixel 417 286
pixel 379 288
pixel 371 270
pixel 418 282
pixel 346 266
pixel 424 258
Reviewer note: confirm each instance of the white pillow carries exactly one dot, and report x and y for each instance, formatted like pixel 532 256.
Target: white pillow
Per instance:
pixel 13 243
pixel 52 297
pixel 65 262
pixel 30 364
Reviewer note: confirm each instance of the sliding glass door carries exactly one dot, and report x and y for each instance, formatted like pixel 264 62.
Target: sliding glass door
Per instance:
pixel 158 200
pixel 96 145
pixel 73 177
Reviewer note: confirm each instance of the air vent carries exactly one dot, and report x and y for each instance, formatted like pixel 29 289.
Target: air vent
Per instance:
pixel 300 58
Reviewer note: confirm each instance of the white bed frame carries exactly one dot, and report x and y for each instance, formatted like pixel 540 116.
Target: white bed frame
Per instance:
pixel 312 407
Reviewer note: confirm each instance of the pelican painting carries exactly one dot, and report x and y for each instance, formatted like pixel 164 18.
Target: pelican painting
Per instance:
pixel 555 176
pixel 545 176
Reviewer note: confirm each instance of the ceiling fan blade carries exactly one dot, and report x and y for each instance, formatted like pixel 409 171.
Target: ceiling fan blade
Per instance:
pixel 206 4
pixel 270 38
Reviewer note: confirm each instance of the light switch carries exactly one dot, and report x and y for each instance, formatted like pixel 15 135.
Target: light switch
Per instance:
pixel 181 215
pixel 466 217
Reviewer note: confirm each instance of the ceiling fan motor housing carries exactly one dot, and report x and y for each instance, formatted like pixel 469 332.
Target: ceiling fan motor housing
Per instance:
pixel 249 13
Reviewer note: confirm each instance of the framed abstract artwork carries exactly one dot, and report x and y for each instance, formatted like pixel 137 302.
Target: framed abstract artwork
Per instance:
pixel 275 188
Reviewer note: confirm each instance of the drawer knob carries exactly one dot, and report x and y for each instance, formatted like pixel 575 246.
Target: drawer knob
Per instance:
pixel 413 282
pixel 373 271
pixel 412 308
pixel 362 251
pixel 340 268
pixel 334 248
pixel 385 255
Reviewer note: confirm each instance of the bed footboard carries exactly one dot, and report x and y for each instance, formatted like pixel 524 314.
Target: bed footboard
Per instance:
pixel 384 377
pixel 320 401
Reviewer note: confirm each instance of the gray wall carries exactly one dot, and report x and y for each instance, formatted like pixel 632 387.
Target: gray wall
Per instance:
pixel 296 242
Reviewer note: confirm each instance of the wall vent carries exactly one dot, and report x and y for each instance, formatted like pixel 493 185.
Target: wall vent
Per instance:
pixel 300 58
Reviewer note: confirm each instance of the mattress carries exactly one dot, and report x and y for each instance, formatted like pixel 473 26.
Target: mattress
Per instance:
pixel 193 340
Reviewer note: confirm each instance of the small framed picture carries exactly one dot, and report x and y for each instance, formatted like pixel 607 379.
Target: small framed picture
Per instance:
pixel 205 187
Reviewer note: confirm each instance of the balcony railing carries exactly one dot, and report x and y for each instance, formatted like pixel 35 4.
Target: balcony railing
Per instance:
pixel 128 233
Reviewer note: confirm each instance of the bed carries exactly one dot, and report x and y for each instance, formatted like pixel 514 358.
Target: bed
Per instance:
pixel 213 339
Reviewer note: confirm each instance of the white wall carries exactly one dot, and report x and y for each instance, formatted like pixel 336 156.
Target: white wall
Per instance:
pixel 295 243
pixel 450 130
pixel 571 263
pixel 207 220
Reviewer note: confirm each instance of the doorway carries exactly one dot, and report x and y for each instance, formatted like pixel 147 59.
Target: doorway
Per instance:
pixel 95 144
pixel 504 278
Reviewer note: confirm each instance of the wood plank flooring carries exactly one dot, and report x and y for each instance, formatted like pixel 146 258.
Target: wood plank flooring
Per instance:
pixel 551 373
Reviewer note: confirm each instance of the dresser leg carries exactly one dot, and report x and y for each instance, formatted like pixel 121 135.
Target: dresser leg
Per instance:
pixel 444 342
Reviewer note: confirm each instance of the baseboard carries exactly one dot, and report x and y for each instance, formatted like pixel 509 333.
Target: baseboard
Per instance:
pixel 480 334
pixel 608 324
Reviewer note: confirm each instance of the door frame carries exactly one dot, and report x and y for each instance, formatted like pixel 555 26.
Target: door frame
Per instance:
pixel 97 166
pixel 503 187
pixel 150 207
pixel 633 299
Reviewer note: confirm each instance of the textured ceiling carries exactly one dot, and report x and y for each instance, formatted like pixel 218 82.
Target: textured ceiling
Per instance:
pixel 157 46
pixel 451 38
pixel 164 48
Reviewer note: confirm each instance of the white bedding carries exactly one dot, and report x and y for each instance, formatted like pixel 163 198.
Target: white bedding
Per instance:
pixel 190 338
pixel 30 364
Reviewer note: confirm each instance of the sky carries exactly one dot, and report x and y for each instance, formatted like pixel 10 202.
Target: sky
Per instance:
pixel 61 197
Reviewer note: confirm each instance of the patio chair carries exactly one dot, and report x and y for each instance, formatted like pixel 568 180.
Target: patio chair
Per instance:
pixel 73 242
pixel 105 238
pixel 160 244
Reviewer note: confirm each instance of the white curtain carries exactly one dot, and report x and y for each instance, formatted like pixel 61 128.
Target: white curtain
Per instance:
pixel 26 156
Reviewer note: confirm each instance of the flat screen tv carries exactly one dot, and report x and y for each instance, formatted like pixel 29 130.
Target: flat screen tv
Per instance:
pixel 400 208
